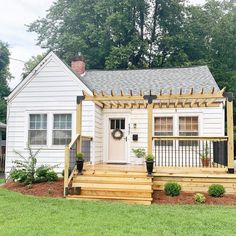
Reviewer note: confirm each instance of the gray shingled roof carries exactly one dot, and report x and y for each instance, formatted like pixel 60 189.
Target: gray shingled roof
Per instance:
pixel 155 79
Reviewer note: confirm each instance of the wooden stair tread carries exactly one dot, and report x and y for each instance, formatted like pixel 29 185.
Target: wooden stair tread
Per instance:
pixel 118 190
pixel 111 180
pixel 113 186
pixel 110 197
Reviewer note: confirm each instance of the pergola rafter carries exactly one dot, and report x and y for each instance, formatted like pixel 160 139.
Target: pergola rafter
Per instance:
pixel 163 100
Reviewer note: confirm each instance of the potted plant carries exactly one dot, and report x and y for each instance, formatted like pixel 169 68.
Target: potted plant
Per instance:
pixel 140 154
pixel 204 156
pixel 80 162
pixel 149 164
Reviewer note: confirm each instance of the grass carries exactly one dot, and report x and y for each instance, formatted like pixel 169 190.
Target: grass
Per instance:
pixel 2 181
pixel 25 215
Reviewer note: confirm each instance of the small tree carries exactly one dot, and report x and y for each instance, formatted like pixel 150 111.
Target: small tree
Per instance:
pixel 26 166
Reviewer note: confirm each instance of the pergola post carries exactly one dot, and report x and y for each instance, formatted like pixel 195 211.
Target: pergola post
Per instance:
pixel 79 122
pixel 230 131
pixel 150 99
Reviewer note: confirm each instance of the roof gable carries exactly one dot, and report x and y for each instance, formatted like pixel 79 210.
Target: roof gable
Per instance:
pixel 40 67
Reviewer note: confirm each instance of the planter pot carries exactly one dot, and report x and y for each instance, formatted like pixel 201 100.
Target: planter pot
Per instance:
pixel 80 165
pixel 138 161
pixel 149 165
pixel 205 162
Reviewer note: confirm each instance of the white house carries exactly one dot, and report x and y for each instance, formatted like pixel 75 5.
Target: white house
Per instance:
pixel 42 113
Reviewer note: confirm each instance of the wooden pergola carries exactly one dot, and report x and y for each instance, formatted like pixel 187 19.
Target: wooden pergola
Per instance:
pixel 163 99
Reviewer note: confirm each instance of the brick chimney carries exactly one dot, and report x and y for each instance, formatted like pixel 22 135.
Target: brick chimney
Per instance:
pixel 78 64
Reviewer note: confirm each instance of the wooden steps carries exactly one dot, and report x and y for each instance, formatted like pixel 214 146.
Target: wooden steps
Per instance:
pixel 113 185
pixel 133 200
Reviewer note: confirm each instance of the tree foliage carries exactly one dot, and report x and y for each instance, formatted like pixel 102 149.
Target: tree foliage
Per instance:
pixel 31 64
pixel 127 34
pixel 4 77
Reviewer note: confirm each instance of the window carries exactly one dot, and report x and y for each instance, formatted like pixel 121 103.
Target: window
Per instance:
pixel 164 127
pixel 117 124
pixel 37 129
pixel 188 126
pixel 61 129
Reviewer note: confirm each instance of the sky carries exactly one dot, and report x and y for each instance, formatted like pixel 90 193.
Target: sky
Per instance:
pixel 14 16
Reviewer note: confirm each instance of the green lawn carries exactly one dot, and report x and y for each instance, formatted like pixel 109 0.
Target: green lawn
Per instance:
pixel 25 215
pixel 2 181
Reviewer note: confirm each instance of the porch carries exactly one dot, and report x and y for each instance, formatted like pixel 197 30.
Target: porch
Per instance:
pixel 177 158
pixel 130 184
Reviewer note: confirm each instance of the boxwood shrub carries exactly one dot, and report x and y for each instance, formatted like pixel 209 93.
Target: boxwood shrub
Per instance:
pixel 216 190
pixel 199 198
pixel 172 189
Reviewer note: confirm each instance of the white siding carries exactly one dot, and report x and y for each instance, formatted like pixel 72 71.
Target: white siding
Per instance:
pixel 52 90
pixel 98 136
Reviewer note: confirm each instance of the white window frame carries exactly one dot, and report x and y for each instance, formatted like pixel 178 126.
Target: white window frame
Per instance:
pixel 49 127
pixel 28 129
pixel 52 130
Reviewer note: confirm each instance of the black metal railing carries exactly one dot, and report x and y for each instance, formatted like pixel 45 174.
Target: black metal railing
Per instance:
pixel 190 151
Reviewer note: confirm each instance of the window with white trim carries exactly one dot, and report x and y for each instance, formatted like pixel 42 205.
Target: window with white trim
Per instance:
pixel 62 129
pixel 37 134
pixel 164 127
pixel 188 126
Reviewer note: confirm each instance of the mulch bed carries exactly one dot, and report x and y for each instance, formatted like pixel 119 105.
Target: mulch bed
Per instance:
pixel 55 190
pixel 159 197
pixel 47 189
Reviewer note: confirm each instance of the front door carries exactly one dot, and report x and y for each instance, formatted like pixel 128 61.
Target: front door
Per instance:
pixel 117 140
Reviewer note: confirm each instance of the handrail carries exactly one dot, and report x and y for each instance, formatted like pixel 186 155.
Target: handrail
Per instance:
pixel 165 138
pixel 73 141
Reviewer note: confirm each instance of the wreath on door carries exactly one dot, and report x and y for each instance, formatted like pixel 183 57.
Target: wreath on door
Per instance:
pixel 117 134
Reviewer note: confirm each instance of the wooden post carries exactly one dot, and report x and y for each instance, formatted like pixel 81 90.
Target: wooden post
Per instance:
pixel 230 132
pixel 150 127
pixel 79 122
pixel 66 169
pixel 150 99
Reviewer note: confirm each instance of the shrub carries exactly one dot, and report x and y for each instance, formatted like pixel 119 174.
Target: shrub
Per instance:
pixel 199 197
pixel 139 152
pixel 149 157
pixel 216 190
pixel 18 175
pixel 172 189
pixel 79 156
pixel 25 170
pixel 45 173
pixel 25 167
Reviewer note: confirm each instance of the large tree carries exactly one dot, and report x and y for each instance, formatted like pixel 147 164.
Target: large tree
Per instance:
pixel 4 77
pixel 121 34
pixel 114 34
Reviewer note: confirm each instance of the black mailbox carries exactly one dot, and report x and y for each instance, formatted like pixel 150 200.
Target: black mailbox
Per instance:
pixel 135 137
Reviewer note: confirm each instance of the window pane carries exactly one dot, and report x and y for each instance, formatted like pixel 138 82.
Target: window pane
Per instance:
pixel 61 137
pixel 112 124
pixel 117 124
pixel 122 124
pixel 62 124
pixel 37 129
pixel 164 126
pixel 62 121
pixel 188 126
pixel 37 137
pixel 38 121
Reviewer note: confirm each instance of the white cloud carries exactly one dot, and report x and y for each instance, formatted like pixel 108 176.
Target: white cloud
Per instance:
pixel 14 16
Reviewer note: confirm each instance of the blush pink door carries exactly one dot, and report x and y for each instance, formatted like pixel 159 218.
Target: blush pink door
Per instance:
pixel 117 147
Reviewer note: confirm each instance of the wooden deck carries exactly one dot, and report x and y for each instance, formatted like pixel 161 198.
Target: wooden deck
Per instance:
pixel 129 183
